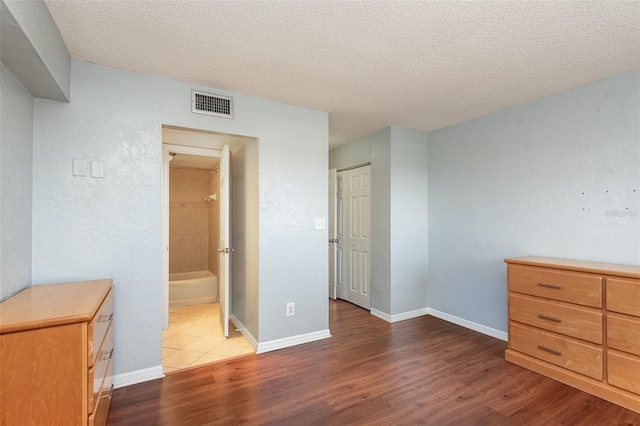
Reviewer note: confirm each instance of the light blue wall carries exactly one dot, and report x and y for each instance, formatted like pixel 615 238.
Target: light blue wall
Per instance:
pixel 557 177
pixel 16 185
pixel 409 220
pixel 111 227
pixel 399 221
pixel 33 49
pixel 374 148
pixel 245 221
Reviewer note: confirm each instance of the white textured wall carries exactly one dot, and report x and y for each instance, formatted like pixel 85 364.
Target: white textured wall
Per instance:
pixel 87 227
pixel 245 262
pixel 409 220
pixel 34 50
pixel 16 169
pixel 556 177
pixel 374 148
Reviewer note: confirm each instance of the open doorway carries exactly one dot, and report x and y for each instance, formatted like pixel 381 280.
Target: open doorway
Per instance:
pixel 196 262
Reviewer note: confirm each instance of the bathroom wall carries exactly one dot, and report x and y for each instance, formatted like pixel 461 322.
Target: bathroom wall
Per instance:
pixel 214 224
pixel 189 220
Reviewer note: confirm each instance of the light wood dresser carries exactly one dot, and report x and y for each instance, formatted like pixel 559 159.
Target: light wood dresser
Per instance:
pixel 579 323
pixel 56 354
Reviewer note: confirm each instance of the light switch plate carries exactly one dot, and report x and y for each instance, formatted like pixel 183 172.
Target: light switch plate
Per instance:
pixel 97 169
pixel 320 223
pixel 79 167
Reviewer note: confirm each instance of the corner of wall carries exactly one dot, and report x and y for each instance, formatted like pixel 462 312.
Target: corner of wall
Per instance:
pixel 16 190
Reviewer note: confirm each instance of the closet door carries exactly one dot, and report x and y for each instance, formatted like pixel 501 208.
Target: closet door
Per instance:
pixel 356 241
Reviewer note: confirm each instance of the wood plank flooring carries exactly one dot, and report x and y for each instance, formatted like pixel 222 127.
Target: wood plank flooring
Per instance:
pixel 418 371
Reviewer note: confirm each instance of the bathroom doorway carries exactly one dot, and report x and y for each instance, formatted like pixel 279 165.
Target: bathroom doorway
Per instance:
pixel 197 252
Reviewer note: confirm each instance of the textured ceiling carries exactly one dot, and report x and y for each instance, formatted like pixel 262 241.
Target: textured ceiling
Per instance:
pixel 419 64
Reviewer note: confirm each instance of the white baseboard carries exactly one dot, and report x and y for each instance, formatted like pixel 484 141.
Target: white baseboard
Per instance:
pixel 382 315
pixel 252 341
pixel 399 317
pixel 138 376
pixel 469 324
pixel 286 342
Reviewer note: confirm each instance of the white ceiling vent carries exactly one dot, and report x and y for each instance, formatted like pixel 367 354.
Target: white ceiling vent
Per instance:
pixel 210 104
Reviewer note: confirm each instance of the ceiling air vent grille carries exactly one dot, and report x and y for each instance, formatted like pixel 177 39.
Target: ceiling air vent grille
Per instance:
pixel 210 104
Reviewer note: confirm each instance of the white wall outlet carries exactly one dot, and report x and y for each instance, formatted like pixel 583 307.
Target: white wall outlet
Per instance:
pixel 320 223
pixel 291 309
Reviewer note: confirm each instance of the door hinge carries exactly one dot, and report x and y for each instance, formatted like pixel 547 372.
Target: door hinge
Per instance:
pixel 226 250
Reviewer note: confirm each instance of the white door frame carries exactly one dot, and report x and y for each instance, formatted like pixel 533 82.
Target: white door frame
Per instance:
pixel 341 287
pixel 178 149
pixel 333 249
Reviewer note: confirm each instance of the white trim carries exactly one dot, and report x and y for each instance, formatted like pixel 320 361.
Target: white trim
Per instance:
pixel 138 376
pixel 193 150
pixel 253 342
pixel 382 315
pixel 399 317
pixel 469 324
pixel 286 342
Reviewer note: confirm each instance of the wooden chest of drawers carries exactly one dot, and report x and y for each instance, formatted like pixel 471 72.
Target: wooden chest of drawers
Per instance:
pixel 56 347
pixel 579 323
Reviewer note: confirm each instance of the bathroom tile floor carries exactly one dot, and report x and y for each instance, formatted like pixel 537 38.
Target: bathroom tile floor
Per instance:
pixel 195 337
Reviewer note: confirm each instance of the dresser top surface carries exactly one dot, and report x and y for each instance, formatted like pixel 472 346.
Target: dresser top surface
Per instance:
pixel 627 271
pixel 48 305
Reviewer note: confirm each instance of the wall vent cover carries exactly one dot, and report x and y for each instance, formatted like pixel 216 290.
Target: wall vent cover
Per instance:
pixel 210 104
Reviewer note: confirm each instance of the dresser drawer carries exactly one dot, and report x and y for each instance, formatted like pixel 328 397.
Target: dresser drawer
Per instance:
pixel 623 296
pixel 570 287
pixel 98 372
pixel 570 320
pixel 623 333
pixel 98 327
pixel 623 371
pixel 573 355
pixel 99 416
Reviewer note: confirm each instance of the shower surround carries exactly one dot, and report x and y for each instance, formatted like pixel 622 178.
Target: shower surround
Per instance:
pixel 193 222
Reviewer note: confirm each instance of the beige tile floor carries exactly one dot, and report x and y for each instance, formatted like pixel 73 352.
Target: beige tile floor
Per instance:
pixel 195 337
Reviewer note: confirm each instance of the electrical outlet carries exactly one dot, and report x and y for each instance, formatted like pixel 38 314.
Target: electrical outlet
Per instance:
pixel 291 309
pixel 320 223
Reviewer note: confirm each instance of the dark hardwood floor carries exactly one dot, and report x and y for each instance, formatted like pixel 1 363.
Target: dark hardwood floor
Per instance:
pixel 418 371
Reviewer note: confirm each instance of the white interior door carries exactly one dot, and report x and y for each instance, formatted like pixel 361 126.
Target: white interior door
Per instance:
pixel 224 248
pixel 357 239
pixel 341 288
pixel 333 194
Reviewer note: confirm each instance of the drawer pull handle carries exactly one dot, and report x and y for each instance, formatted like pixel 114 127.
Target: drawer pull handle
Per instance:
pixel 553 351
pixel 106 355
pixel 554 286
pixel 550 318
pixel 109 395
pixel 105 318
